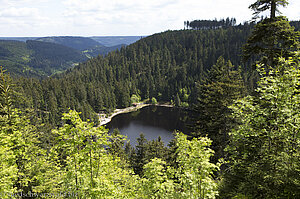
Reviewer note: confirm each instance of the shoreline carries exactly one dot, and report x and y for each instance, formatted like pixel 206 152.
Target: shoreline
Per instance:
pixel 103 119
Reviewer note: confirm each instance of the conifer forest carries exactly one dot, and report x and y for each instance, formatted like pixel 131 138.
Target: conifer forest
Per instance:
pixel 241 81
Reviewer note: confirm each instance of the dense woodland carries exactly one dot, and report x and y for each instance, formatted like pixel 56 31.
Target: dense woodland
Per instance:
pixel 210 24
pixel 88 46
pixel 78 43
pixel 165 66
pixel 43 57
pixel 37 59
pixel 241 81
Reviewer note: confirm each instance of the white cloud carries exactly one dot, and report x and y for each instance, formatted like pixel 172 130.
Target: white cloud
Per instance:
pixel 133 15
pixel 117 17
pixel 149 16
pixel 19 12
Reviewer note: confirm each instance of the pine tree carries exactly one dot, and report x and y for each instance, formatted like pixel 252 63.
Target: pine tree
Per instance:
pixel 221 87
pixel 272 37
pixel 140 158
pixel 263 5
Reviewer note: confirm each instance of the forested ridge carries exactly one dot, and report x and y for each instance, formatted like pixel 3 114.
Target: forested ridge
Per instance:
pixel 245 139
pixel 88 46
pixel 78 43
pixel 43 57
pixel 165 66
pixel 37 59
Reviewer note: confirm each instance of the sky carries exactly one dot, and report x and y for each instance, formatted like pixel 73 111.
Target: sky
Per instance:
pixel 38 18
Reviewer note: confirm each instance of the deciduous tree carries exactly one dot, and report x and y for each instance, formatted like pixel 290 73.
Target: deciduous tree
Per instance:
pixel 265 147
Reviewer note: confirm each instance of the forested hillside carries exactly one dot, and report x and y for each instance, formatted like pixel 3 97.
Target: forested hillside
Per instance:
pixel 78 43
pixel 101 50
pixel 110 41
pixel 15 56
pixel 49 57
pixel 88 46
pixel 45 56
pixel 245 142
pixel 37 59
pixel 165 66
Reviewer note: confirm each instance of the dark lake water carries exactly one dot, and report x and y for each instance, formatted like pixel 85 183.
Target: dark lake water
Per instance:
pixel 152 121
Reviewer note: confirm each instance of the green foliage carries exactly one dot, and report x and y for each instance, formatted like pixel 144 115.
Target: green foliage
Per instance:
pixel 8 171
pixel 264 148
pixel 210 24
pixel 157 181
pixel 182 98
pixel 271 39
pixel 48 58
pixel 37 59
pixel 192 179
pixel 5 94
pixel 25 166
pixel 160 66
pixel 195 171
pixel 101 50
pixel 153 101
pixel 87 162
pixel 135 98
pixel 296 25
pixel 78 43
pixel 215 93
pixel 88 170
pixel 144 152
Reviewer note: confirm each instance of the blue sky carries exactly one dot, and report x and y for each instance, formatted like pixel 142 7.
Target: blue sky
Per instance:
pixel 117 17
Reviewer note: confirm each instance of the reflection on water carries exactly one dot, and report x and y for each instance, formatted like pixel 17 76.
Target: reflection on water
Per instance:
pixel 152 121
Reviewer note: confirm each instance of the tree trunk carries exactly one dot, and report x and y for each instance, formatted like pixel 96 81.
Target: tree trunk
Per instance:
pixel 273 9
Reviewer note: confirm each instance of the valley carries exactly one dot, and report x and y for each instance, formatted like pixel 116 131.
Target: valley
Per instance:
pixel 208 111
pixel 43 57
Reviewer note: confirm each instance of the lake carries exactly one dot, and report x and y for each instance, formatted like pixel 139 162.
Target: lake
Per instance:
pixel 152 121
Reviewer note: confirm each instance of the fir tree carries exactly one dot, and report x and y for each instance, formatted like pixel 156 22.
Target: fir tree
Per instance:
pixel 221 87
pixel 272 37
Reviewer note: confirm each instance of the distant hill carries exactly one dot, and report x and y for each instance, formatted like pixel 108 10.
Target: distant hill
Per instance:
pixel 88 46
pixel 108 41
pixel 51 57
pixel 24 39
pixel 78 43
pixel 36 58
pixel 101 50
pixel 116 40
pixel 15 57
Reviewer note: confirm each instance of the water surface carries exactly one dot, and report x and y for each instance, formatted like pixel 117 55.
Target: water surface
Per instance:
pixel 152 121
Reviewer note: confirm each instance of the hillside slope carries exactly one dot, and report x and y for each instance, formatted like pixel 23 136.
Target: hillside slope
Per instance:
pixel 50 58
pixel 90 47
pixel 165 66
pixel 37 59
pixel 110 41
pixel 15 57
pixel 78 43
